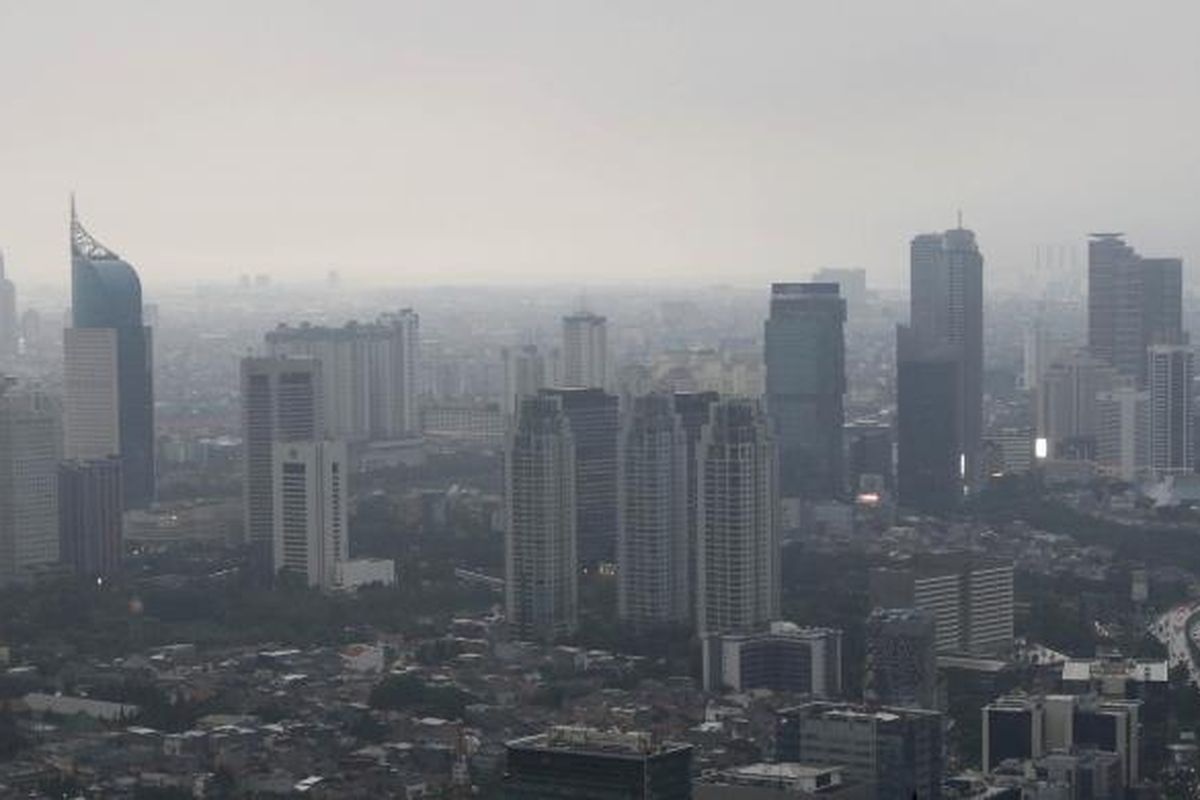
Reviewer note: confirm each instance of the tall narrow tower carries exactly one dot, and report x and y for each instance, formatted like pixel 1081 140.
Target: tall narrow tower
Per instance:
pixel 311 536
pixel 585 351
pixel 108 336
pixel 806 381
pixel 10 328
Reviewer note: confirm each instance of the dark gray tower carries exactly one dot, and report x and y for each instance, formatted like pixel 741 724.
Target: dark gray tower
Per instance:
pixel 806 382
pixel 107 295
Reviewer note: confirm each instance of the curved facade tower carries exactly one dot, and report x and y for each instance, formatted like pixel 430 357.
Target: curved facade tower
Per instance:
pixel 106 307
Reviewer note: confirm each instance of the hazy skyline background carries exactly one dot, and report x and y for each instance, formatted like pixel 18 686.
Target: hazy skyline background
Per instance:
pixel 591 142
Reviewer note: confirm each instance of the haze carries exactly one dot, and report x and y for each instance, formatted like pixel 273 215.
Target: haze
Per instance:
pixel 585 143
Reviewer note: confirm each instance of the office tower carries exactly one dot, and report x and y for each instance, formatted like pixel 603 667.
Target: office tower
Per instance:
pixel 930 465
pixel 783 658
pixel 106 295
pixel 281 402
pixel 1123 431
pixel 946 313
pixel 1133 302
pixel 1170 385
pixel 806 380
pixel 693 411
pixel 970 598
pixel 652 539
pixel 1068 414
pixel 29 454
pixel 541 564
pixel 590 764
pixel 594 417
pixel 89 516
pixel 869 454
pixel 1040 348
pixel 369 373
pixel 524 375
pixel 92 394
pixel 851 281
pixel 898 751
pixel 31 331
pixel 1008 451
pixel 901 665
pixel 311 538
pixel 1117 678
pixel 585 351
pixel 738 569
pixel 10 331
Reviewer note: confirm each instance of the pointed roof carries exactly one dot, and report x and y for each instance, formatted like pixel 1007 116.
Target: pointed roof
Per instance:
pixel 83 244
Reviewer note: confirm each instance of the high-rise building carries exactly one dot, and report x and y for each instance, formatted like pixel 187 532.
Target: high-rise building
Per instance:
pixel 311 535
pixel 901 664
pixel 1123 431
pixel 1171 369
pixel 1068 412
pixel 970 598
pixel 653 537
pixel 89 516
pixel 693 410
pixel 10 329
pixel 738 562
pixel 930 463
pixel 589 764
pixel 806 381
pixel 369 373
pixel 541 564
pixel 585 351
pixel 594 416
pixel 1133 302
pixel 92 394
pixel 851 281
pixel 524 375
pixel 946 313
pixel 281 402
pixel 106 295
pixel 898 751
pixel 869 454
pixel 782 658
pixel 29 454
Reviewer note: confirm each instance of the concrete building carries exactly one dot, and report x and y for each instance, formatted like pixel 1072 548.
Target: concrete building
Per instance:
pixel 311 532
pixel 738 562
pixel 931 465
pixel 524 375
pixel 89 516
pixel 585 351
pixel 780 781
pixel 589 764
pixel 653 581
pixel 896 751
pixel 970 598
pixel 541 563
pixel 109 360
pixel 693 409
pixel 10 328
pixel 870 456
pixel 806 382
pixel 901 663
pixel 782 658
pixel 1169 378
pixel 851 282
pixel 594 416
pixel 946 314
pixel 29 455
pixel 1123 432
pixel 1068 409
pixel 281 402
pixel 465 422
pixel 369 373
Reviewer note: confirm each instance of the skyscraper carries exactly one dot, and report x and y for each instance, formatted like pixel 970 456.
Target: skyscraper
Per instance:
pixel 1171 368
pixel 946 315
pixel 738 569
pixel 29 454
pixel 524 375
pixel 652 540
pixel 311 536
pixel 1068 413
pixel 281 402
pixel 806 381
pixel 594 417
pixel 541 565
pixel 89 516
pixel 369 373
pixel 585 351
pixel 10 329
pixel 693 410
pixel 106 295
pixel 930 461
pixel 1133 302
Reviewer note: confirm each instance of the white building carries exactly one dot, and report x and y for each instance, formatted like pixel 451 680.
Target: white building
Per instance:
pixel 738 569
pixel 311 536
pixel 782 658
pixel 524 374
pixel 1123 437
pixel 29 456
pixel 540 555
pixel 585 351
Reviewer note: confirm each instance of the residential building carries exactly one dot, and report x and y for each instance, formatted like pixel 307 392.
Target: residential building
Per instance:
pixel 310 516
pixel 585 351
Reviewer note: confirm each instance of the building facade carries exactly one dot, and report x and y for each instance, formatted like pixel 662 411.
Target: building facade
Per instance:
pixel 901 663
pixel 585 351
pixel 89 516
pixel 29 454
pixel 311 529
pixel 783 658
pixel 1169 377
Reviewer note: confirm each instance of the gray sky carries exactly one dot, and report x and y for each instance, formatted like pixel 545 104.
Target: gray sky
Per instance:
pixel 591 142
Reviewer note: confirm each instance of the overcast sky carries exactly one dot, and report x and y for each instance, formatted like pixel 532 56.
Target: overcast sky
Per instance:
pixel 591 142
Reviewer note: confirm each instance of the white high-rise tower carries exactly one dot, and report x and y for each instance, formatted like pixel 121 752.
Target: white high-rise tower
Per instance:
pixel 585 351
